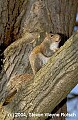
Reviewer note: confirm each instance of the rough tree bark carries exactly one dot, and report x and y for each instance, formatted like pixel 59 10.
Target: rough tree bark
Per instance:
pixel 42 93
pixel 16 17
pixel 21 16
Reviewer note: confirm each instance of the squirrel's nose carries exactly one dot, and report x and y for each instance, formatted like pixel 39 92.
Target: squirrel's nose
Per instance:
pixel 58 38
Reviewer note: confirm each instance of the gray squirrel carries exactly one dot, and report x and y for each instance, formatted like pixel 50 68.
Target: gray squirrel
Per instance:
pixel 42 53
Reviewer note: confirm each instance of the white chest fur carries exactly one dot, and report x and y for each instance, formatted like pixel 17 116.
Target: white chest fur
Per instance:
pixel 43 58
pixel 54 45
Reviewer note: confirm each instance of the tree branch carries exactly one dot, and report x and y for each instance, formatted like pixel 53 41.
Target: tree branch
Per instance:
pixel 51 84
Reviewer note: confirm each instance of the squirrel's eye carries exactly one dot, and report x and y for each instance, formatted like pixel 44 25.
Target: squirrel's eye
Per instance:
pixel 51 35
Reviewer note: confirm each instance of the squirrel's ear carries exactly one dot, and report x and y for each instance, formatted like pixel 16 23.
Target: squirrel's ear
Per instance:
pixel 46 33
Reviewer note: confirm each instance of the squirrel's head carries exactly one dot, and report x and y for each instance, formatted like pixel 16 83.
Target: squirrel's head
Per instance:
pixel 53 40
pixel 53 37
